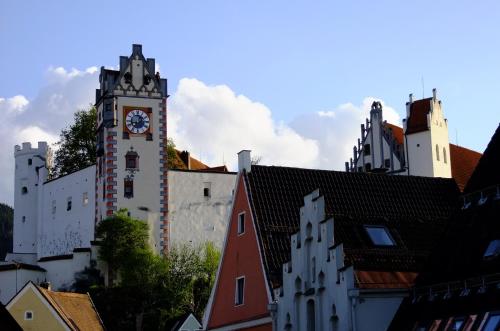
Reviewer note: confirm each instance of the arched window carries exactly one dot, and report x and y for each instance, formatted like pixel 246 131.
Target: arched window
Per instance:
pixel 437 152
pixel 311 316
pixel 445 158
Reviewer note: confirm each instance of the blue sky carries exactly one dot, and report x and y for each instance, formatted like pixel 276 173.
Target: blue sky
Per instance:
pixel 294 57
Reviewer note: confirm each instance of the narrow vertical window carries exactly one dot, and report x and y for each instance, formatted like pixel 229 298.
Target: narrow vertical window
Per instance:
pixel 366 150
pixel 239 291
pixel 207 189
pixel 437 152
pixel 30 162
pixel 53 207
pixel 241 223
pixel 68 204
pixel 311 316
pixel 24 190
pixel 128 188
pixel 445 158
pixel 85 198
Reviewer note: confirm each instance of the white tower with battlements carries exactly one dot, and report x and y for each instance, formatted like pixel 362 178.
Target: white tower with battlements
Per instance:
pixel 30 173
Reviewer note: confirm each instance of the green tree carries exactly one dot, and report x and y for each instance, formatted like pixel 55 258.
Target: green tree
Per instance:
pixel 77 144
pixel 6 227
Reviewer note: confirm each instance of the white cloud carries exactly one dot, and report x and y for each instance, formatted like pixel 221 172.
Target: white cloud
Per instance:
pixel 214 123
pixel 42 118
pixel 336 131
pixel 16 104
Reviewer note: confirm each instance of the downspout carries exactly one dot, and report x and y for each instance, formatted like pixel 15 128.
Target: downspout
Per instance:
pixel 353 313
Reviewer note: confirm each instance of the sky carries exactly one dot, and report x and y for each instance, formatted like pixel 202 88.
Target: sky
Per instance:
pixel 291 80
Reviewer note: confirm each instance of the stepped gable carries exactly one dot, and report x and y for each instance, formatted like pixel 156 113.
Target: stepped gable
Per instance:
pixel 463 160
pixel 417 207
pixel 487 172
pixel 417 121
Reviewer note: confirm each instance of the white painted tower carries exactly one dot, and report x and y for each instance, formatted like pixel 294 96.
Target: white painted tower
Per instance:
pixel 131 170
pixel 427 146
pixel 30 173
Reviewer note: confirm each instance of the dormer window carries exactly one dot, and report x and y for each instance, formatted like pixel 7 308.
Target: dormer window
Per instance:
pixel 379 235
pixel 493 250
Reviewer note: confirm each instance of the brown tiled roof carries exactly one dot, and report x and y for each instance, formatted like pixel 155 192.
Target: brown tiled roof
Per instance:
pixel 77 310
pixel 397 132
pixel 384 279
pixel 417 121
pixel 487 172
pixel 414 209
pixel 195 164
pixel 463 160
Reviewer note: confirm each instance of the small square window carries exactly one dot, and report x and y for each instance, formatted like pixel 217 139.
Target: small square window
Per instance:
pixel 239 291
pixel 379 235
pixel 24 190
pixel 24 219
pixel 241 223
pixel 28 315
pixel 493 249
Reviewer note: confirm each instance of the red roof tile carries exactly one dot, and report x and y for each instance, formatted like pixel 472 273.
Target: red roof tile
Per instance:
pixel 397 132
pixel 417 122
pixel 463 162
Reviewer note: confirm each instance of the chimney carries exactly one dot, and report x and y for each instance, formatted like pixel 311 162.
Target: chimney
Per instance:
pixel 411 97
pixel 46 285
pixel 186 159
pixel 244 160
pixel 434 94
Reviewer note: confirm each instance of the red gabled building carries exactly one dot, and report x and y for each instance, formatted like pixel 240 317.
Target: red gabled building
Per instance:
pixel 265 213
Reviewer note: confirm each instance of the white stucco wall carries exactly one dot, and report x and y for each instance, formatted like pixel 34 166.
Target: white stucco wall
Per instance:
pixel 61 272
pixel 62 230
pixel 194 218
pixel 11 281
pixel 339 305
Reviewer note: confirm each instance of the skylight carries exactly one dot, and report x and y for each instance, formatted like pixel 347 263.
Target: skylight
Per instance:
pixel 493 249
pixel 379 235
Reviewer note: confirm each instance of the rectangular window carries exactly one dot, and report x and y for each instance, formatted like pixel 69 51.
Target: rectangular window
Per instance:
pixel 379 235
pixel 131 164
pixel 366 149
pixel 30 162
pixel 53 207
pixel 207 189
pixel 241 223
pixel 239 291
pixel 128 188
pixel 85 198
pixel 68 204
pixel 28 315
pixel 387 163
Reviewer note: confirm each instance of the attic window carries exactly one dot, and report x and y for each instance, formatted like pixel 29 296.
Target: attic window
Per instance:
pixel 379 235
pixel 28 315
pixel 493 250
pixel 128 77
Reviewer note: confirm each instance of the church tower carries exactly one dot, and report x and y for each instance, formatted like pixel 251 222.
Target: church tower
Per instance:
pixel 427 146
pixel 131 170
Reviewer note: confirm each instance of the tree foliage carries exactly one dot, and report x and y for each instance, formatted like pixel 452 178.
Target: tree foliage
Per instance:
pixel 6 228
pixel 150 290
pixel 77 144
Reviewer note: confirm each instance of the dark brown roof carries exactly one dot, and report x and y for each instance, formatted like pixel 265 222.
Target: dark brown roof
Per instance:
pixel 353 199
pixel 77 310
pixel 487 172
pixel 417 121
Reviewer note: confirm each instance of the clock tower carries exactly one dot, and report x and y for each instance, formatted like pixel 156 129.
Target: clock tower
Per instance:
pixel 131 169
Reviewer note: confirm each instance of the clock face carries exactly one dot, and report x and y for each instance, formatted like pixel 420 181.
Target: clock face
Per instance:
pixel 137 121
